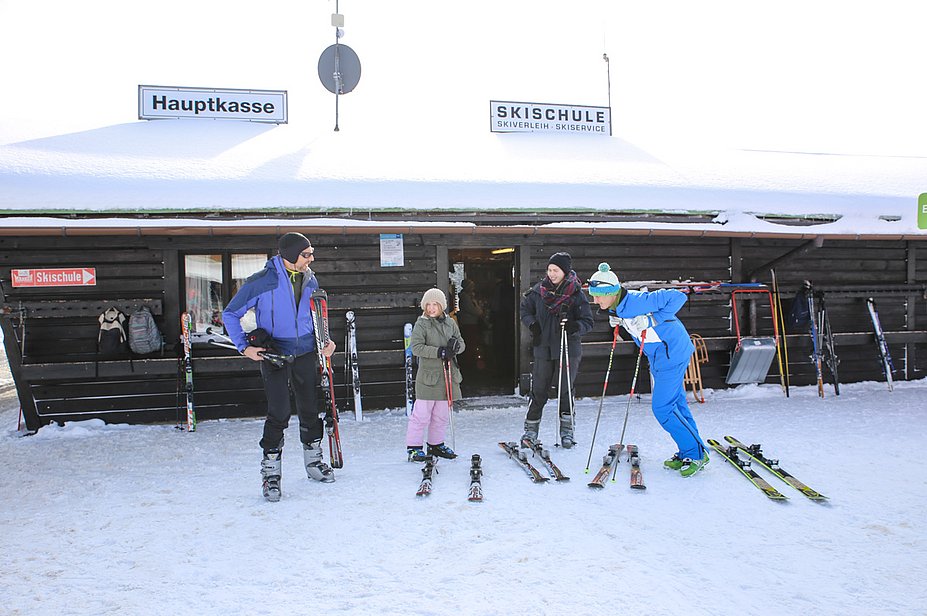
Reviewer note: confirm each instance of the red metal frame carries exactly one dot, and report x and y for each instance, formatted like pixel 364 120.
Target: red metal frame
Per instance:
pixel 772 307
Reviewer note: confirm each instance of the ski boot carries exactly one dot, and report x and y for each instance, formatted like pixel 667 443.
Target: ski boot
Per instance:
pixel 270 474
pixel 442 451
pixel 690 467
pixel 315 468
pixel 416 454
pixel 566 432
pixel 531 433
pixel 674 463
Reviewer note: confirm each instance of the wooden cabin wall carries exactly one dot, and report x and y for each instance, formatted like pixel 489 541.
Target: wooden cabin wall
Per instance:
pixel 60 377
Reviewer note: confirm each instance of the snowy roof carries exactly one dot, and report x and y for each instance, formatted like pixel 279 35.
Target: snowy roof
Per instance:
pixel 697 127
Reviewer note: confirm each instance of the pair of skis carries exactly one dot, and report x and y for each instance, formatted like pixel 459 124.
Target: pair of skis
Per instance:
pixel 429 470
pixel 884 355
pixel 610 462
pixel 755 453
pixel 521 458
pixel 186 333
pixel 350 350
pixel 318 307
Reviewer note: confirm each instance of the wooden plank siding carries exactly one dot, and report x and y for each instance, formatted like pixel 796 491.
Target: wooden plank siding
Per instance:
pixel 59 376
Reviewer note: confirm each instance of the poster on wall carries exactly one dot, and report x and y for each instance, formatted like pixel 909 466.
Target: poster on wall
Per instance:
pixel 391 250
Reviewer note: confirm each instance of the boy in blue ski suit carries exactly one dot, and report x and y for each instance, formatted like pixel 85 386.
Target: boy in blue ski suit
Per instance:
pixel 279 295
pixel 668 348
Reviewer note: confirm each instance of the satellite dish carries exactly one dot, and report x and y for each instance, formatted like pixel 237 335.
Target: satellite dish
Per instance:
pixel 339 69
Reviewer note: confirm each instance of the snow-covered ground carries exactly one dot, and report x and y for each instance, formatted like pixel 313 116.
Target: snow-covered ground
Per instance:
pixel 123 519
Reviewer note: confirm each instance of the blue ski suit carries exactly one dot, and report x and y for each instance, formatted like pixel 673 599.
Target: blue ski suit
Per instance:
pixel 668 348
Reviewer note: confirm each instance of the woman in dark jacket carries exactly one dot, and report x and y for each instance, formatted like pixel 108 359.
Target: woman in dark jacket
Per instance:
pixel 555 304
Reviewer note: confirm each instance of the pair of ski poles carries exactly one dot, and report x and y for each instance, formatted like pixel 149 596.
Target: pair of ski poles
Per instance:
pixel 637 367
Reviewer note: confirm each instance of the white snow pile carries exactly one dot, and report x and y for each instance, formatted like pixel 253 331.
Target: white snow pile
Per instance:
pixel 104 519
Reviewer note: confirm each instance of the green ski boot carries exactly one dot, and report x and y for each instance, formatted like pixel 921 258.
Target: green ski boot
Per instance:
pixel 690 467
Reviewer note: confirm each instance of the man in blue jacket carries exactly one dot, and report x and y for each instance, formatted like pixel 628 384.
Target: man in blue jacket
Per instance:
pixel 668 348
pixel 279 295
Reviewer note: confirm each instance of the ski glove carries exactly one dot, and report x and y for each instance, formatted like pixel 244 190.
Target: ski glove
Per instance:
pixel 571 327
pixel 638 324
pixel 614 321
pixel 443 353
pixel 453 345
pixel 535 333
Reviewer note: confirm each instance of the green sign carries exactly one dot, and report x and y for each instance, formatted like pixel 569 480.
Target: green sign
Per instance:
pixel 922 211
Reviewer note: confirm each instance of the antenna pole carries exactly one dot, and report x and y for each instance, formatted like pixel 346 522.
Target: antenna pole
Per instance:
pixel 608 73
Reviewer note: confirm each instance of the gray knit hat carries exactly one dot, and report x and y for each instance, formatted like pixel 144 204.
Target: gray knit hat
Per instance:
pixel 434 295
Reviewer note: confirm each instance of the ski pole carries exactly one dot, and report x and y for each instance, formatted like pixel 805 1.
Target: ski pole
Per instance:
pixel 560 380
pixel 608 370
pixel 450 401
pixel 569 380
pixel 637 367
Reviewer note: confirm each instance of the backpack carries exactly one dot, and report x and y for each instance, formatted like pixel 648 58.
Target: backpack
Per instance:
pixel 112 337
pixel 799 318
pixel 144 335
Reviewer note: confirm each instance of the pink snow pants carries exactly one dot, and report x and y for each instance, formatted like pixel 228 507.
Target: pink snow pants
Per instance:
pixel 431 414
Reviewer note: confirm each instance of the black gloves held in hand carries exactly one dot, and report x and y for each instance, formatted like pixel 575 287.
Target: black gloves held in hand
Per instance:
pixel 571 327
pixel 443 353
pixel 535 333
pixel 453 346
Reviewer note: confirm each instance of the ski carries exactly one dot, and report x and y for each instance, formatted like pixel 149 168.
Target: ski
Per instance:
pixel 538 449
pixel 351 354
pixel 756 452
pixel 609 460
pixel 828 346
pixel 318 306
pixel 186 325
pixel 884 355
pixel 730 454
pixel 410 383
pixel 637 478
pixel 782 351
pixel 428 471
pixel 476 479
pixel 815 340
pixel 519 456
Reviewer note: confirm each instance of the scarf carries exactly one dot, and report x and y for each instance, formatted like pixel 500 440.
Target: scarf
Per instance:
pixel 555 296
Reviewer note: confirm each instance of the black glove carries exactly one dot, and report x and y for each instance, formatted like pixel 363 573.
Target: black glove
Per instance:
pixel 453 346
pixel 443 352
pixel 571 327
pixel 535 333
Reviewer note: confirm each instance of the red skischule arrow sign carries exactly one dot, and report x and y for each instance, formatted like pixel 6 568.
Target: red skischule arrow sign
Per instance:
pixel 64 277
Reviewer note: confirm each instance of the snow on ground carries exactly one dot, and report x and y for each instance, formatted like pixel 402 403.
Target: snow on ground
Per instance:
pixel 102 519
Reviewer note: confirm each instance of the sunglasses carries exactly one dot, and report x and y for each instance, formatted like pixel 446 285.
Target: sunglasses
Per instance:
pixel 307 254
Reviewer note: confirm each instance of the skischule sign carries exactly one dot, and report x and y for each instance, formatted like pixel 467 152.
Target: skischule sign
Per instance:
pixel 512 117
pixel 166 102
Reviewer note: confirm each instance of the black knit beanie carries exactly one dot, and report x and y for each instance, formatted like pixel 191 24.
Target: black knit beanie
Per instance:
pixel 291 244
pixel 563 260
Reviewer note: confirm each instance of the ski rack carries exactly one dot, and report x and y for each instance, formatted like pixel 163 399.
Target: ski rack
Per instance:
pixel 715 287
pixel 877 290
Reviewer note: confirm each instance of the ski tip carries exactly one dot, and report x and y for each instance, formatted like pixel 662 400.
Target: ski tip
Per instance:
pixel 596 486
pixel 640 487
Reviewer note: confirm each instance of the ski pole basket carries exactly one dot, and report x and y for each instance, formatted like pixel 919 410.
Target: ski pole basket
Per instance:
pixel 753 355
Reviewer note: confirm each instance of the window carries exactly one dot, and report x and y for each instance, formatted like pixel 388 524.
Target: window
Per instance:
pixel 206 289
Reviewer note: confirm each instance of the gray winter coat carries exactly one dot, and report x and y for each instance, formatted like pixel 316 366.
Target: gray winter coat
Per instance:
pixel 427 335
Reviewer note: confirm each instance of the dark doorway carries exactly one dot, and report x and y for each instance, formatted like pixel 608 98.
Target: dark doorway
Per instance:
pixel 484 302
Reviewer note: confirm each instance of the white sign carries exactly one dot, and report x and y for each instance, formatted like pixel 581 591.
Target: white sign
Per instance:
pixel 510 117
pixel 160 102
pixel 391 251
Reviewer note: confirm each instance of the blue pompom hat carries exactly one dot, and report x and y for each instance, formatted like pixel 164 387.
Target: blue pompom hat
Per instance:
pixel 604 281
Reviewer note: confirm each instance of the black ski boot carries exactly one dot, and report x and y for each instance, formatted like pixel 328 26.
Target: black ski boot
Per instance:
pixel 270 473
pixel 315 468
pixel 442 451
